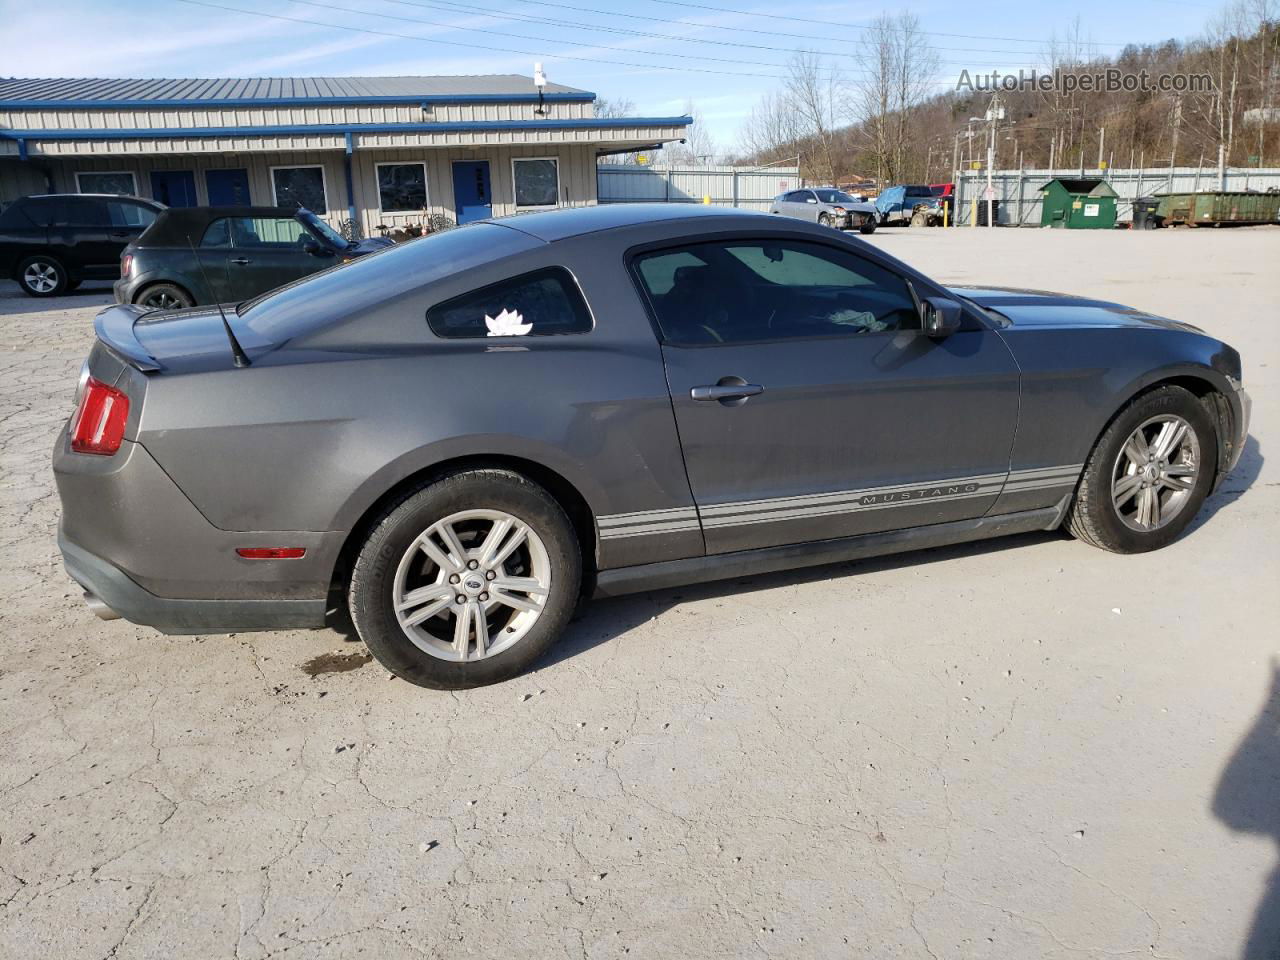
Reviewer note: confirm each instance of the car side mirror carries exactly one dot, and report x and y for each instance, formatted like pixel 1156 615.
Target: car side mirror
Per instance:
pixel 811 200
pixel 313 248
pixel 940 317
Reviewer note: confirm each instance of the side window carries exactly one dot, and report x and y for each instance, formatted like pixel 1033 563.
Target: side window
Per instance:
pixel 739 291
pixel 541 303
pixel 124 214
pixel 278 232
pixel 83 213
pixel 217 234
pixel 43 212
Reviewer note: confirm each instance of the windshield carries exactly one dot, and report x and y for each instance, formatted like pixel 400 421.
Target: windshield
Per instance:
pixel 322 228
pixel 834 196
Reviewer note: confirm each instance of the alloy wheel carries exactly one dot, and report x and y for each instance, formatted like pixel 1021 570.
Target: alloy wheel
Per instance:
pixel 40 276
pixel 161 301
pixel 1155 473
pixel 472 585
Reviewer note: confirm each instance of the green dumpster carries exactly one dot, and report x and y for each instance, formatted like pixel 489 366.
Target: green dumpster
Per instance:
pixel 1084 203
pixel 1212 207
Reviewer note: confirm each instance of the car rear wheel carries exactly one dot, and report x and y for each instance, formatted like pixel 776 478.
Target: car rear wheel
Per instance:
pixel 42 276
pixel 1148 474
pixel 466 581
pixel 165 296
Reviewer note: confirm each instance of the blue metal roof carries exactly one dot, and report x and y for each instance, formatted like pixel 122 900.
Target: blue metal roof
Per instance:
pixel 264 91
pixel 337 129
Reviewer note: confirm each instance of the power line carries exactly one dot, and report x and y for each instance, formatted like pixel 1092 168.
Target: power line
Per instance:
pixel 472 8
pixel 489 48
pixel 535 39
pixel 860 26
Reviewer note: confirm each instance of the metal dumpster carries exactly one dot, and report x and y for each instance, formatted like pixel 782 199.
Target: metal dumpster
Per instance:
pixel 1218 206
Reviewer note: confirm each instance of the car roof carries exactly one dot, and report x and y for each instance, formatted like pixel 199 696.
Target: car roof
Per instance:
pixel 176 224
pixel 562 224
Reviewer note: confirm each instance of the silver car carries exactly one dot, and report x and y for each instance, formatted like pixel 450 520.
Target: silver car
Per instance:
pixel 828 207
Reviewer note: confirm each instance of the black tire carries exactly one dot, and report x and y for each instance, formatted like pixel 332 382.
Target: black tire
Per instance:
pixel 372 584
pixel 824 220
pixel 1092 516
pixel 164 296
pixel 868 226
pixel 42 276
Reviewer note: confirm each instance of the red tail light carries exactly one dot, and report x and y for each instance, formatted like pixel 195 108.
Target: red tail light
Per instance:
pixel 98 426
pixel 126 265
pixel 272 553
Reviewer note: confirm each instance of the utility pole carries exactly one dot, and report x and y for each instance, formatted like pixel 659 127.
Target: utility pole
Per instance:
pixel 995 113
pixel 1102 137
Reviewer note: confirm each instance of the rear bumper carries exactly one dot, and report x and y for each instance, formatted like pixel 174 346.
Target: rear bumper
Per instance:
pixel 108 584
pixel 131 538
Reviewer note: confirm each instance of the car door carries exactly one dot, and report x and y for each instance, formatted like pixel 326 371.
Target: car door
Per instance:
pixel 81 235
pixel 268 252
pixel 810 405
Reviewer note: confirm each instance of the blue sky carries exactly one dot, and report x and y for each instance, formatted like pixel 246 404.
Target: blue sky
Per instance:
pixel 171 38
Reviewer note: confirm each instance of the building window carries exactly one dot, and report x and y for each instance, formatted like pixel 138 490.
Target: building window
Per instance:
pixel 402 187
pixel 299 187
pixel 537 182
pixel 541 303
pixel 121 182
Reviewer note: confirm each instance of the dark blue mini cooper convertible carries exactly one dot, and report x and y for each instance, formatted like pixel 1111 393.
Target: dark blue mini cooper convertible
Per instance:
pixel 459 437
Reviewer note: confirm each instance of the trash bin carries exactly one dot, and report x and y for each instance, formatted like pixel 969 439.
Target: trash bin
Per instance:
pixel 982 211
pixel 1144 214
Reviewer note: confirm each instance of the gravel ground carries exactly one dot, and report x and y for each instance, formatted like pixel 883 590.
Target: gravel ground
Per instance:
pixel 1017 749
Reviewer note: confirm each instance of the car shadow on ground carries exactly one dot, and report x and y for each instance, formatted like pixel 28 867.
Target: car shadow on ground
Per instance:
pixel 16 301
pixel 1247 800
pixel 1233 487
pixel 601 621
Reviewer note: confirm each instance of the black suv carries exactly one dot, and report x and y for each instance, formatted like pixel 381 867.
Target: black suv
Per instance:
pixel 200 255
pixel 50 243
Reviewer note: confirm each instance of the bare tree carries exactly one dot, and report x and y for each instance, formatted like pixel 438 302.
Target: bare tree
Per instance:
pixel 772 131
pixel 899 67
pixel 699 147
pixel 612 108
pixel 615 107
pixel 815 92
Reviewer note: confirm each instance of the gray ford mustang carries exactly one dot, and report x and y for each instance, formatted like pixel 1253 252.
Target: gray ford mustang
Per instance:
pixel 459 437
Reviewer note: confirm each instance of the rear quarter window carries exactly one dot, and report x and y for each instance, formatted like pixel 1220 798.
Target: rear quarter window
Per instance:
pixel 542 303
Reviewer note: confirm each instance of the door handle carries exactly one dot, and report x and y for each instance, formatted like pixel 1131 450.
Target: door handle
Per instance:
pixel 240 261
pixel 727 391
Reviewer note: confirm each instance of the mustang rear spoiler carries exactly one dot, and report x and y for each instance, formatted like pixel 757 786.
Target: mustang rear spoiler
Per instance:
pixel 114 327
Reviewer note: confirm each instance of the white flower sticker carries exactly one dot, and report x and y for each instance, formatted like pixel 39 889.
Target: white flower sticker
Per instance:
pixel 507 324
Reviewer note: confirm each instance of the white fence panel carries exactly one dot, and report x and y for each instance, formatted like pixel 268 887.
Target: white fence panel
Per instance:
pixel 1018 191
pixel 747 187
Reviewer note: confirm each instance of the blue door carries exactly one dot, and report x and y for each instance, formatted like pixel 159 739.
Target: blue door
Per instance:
pixel 471 198
pixel 174 188
pixel 227 188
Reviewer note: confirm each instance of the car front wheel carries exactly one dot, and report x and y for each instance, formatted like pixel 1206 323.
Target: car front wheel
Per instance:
pixel 42 276
pixel 1148 474
pixel 868 225
pixel 466 581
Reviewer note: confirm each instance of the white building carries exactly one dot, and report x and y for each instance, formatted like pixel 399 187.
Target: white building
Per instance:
pixel 377 150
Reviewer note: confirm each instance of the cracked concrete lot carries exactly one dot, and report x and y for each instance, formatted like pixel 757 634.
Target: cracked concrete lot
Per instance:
pixel 1019 749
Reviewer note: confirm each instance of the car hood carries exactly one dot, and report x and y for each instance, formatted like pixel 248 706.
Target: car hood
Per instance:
pixel 1042 309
